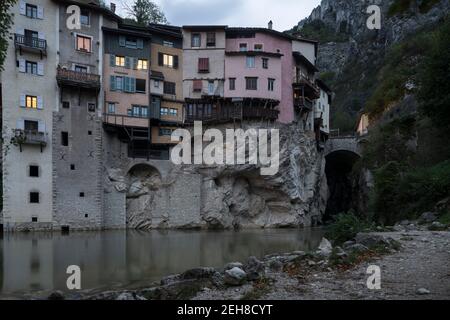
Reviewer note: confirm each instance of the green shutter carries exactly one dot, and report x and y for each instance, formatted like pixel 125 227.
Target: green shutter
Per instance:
pixel 112 82
pixel 128 62
pixel 132 84
pixel 126 84
pixel 112 60
pixel 122 41
pixel 135 63
pixel 140 44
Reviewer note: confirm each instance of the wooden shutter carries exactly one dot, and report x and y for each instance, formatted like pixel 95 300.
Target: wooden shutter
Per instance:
pixel 20 124
pixel 22 7
pixel 40 68
pixel 160 59
pixel 112 60
pixel 40 103
pixel 122 41
pixel 198 85
pixel 128 62
pixel 40 12
pixel 203 64
pixel 41 126
pixel 112 83
pixel 22 66
pixel 175 62
pixel 140 44
pixel 22 100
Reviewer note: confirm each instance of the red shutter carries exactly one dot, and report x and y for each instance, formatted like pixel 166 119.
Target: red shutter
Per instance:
pixel 203 64
pixel 198 85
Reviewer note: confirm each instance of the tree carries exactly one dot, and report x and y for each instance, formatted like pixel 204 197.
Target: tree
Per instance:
pixel 145 12
pixel 6 19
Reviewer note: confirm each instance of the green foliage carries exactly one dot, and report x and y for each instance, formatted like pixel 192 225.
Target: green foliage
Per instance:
pixel 321 32
pixel 434 92
pixel 5 23
pixel 445 218
pixel 402 6
pixel 144 12
pixel 344 121
pixel 345 227
pixel 327 77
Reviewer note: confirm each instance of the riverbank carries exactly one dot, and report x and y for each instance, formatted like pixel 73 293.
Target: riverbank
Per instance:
pixel 414 265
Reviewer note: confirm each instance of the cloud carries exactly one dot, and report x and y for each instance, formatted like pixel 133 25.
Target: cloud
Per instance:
pixel 284 13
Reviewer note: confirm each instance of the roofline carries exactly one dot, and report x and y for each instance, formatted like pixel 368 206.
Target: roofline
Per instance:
pixel 323 85
pixel 204 27
pixel 101 9
pixel 262 30
pixel 126 31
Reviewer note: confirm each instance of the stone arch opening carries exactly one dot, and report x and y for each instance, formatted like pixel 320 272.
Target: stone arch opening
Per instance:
pixel 144 183
pixel 338 169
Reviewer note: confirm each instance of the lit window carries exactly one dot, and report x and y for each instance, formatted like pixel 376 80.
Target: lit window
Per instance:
pixel 83 43
pixel 142 64
pixel 168 61
pixel 120 61
pixel 31 102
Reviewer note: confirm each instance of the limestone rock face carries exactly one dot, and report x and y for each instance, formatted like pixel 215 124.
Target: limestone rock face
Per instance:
pixel 226 196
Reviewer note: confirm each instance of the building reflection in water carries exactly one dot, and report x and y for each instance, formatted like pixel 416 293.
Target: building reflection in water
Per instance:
pixel 38 261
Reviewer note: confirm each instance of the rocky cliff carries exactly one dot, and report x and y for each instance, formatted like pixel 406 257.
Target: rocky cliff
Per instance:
pixel 222 197
pixel 351 56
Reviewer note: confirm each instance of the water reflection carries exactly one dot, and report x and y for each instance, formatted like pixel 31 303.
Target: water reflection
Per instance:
pixel 38 261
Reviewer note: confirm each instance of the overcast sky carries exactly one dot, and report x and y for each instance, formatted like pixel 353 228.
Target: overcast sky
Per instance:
pixel 284 13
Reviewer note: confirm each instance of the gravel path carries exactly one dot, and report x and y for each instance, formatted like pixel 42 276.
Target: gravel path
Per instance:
pixel 423 262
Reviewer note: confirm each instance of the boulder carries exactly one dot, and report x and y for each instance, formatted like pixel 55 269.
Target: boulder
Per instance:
pixel 232 265
pixel 129 296
pixel 56 295
pixel 340 252
pixel 275 265
pixel 325 248
pixel 198 273
pixel 347 244
pixel 374 239
pixel 427 217
pixel 437 226
pixel 254 268
pixel 357 247
pixel 422 291
pixel 235 277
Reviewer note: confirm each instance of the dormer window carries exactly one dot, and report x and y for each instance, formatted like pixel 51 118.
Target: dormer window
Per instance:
pixel 258 47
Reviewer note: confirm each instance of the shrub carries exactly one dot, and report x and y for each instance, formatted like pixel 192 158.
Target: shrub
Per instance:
pixel 345 227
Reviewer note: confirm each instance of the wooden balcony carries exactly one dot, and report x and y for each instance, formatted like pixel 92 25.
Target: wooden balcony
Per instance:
pixel 30 44
pixel 306 87
pixel 70 78
pixel 119 120
pixel 303 103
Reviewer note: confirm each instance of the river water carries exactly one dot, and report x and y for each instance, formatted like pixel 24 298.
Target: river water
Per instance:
pixel 36 263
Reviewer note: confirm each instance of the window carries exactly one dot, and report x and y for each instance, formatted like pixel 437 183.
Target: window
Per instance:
pixel 165 132
pixel 34 197
pixel 30 125
pixel 142 64
pixel 139 111
pixel 83 43
pixel 34 219
pixel 120 61
pixel 265 63
pixel 64 138
pixel 31 67
pixel 30 36
pixel 196 40
pixel 164 111
pixel 251 83
pixel 232 83
pixel 82 69
pixel 168 44
pixel 31 102
pixel 31 11
pixel 211 39
pixel 72 167
pixel 198 85
pixel 131 43
pixel 119 83
pixel 173 112
pixel 141 85
pixel 156 83
pixel 242 47
pixel 211 87
pixel 91 107
pixel 84 17
pixel 89 133
pixel 81 194
pixel 203 65
pixel 168 61
pixel 270 84
pixel 33 171
pixel 111 107
pixel 66 104
pixel 169 87
pixel 250 62
pixel 258 47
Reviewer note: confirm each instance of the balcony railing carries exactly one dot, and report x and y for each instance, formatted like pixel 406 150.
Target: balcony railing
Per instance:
pixel 32 44
pixel 303 103
pixel 78 79
pixel 308 87
pixel 31 137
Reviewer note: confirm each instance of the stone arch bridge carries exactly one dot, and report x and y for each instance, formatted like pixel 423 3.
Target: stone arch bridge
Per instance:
pixel 343 143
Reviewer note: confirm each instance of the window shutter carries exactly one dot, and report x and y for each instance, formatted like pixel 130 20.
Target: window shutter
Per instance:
pixel 41 35
pixel 126 84
pixel 132 84
pixel 112 82
pixel 40 104
pixel 135 63
pixel 112 60
pixel 22 7
pixel 160 59
pixel 128 62
pixel 20 124
pixel 20 32
pixel 40 68
pixel 198 85
pixel 22 100
pixel 140 44
pixel 122 41
pixel 175 62
pixel 41 126
pixel 22 67
pixel 40 12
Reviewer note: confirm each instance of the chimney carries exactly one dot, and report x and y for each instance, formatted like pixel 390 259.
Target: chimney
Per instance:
pixel 270 25
pixel 113 7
